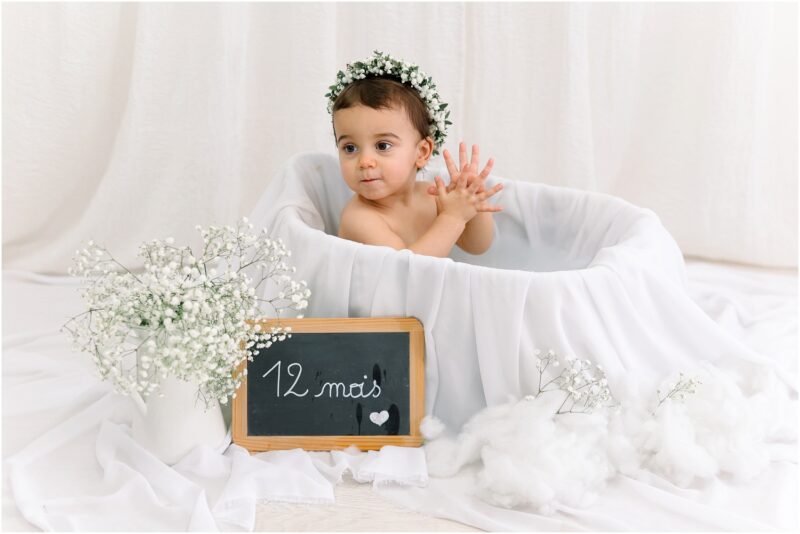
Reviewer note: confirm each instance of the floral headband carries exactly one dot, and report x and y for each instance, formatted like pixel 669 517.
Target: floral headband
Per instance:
pixel 406 73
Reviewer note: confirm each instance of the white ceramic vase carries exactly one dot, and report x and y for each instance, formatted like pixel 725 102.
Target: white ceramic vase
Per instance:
pixel 172 425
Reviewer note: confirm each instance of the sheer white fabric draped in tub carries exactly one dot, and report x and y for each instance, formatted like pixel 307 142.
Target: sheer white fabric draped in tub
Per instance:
pixel 585 274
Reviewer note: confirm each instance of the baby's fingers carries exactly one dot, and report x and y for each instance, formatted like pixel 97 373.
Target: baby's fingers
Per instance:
pixel 474 185
pixel 440 189
pixel 486 207
pixel 462 155
pixel 461 183
pixel 451 166
pixel 473 164
pixel 491 192
pixel 486 170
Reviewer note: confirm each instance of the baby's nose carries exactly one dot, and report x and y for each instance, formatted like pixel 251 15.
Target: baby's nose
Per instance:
pixel 366 162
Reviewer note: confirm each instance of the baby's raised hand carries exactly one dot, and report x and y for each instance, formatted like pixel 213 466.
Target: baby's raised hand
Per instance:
pixel 463 201
pixel 471 169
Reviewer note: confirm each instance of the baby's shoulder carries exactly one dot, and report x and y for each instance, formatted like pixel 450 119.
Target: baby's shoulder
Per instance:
pixel 355 214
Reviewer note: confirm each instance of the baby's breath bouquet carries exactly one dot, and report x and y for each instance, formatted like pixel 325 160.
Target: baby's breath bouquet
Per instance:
pixel 186 315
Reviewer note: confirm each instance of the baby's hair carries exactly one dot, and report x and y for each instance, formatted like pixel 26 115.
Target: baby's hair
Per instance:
pixel 381 92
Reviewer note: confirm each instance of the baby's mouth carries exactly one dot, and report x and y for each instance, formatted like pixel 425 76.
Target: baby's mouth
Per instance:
pixel 368 180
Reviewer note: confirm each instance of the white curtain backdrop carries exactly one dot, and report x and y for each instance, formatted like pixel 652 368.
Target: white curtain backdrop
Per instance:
pixel 127 122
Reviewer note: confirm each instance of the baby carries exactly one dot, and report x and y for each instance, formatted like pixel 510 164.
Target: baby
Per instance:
pixel 384 132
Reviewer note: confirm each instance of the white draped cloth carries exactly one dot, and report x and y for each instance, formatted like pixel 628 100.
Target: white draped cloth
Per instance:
pixel 585 274
pixel 71 464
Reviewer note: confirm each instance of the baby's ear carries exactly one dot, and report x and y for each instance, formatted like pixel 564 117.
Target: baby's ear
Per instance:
pixel 424 151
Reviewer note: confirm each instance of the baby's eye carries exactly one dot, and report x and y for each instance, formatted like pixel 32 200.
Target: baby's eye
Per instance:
pixel 388 145
pixel 345 148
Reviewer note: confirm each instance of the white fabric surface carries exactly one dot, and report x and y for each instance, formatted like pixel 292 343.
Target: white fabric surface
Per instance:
pixel 758 306
pixel 44 383
pixel 175 114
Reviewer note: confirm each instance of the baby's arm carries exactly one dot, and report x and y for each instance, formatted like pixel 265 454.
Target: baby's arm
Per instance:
pixel 454 207
pixel 478 234
pixel 368 227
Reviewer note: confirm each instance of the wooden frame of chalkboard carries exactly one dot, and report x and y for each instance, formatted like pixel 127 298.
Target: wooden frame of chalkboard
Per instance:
pixel 409 434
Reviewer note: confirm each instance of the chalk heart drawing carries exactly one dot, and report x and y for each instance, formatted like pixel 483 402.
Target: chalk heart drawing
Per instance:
pixel 379 418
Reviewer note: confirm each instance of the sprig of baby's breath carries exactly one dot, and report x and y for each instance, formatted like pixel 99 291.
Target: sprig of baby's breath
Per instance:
pixel 677 390
pixel 186 315
pixel 586 386
pixel 584 383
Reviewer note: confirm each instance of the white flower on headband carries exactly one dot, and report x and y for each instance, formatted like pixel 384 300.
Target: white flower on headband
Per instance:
pixel 407 73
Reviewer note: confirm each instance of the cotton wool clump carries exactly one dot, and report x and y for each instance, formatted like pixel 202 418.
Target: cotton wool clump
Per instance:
pixel 529 456
pixel 431 427
pixel 774 403
pixel 620 448
pixel 670 448
pixel 715 430
pixel 546 460
pixel 446 455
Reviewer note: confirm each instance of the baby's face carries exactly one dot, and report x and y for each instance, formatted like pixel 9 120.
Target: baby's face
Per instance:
pixel 379 150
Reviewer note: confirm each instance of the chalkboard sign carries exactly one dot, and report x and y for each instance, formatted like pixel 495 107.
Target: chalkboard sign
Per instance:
pixel 336 382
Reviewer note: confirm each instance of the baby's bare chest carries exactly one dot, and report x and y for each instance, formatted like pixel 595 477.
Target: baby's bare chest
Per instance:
pixel 412 223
